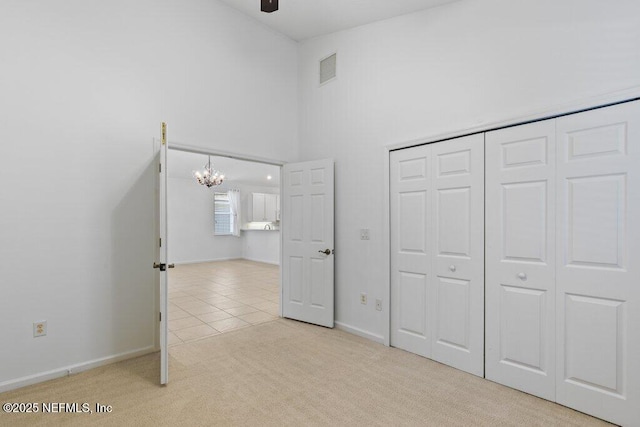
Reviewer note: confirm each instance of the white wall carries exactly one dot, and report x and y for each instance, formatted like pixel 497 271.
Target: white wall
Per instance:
pixel 191 225
pixel 84 86
pixel 444 70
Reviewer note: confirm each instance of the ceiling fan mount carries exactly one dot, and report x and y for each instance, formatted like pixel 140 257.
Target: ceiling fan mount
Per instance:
pixel 268 6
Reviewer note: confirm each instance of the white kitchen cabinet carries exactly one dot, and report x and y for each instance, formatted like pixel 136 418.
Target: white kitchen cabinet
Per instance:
pixel 270 207
pixel 264 207
pixel 257 207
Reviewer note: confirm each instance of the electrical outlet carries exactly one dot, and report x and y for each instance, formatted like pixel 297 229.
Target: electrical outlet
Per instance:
pixel 364 234
pixel 379 304
pixel 363 298
pixel 40 329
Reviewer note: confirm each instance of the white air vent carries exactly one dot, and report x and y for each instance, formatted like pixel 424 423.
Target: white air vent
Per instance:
pixel 328 69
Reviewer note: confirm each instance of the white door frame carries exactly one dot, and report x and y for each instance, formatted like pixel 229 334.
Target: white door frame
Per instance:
pixel 163 275
pixel 632 94
pixel 178 146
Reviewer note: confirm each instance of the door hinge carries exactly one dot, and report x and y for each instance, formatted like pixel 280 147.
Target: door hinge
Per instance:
pixel 160 241
pixel 159 167
pixel 160 316
pixel 164 133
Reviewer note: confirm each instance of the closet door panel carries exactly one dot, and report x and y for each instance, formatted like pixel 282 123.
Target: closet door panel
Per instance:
pixel 457 307
pixel 411 277
pixel 520 255
pixel 598 274
pixel 437 259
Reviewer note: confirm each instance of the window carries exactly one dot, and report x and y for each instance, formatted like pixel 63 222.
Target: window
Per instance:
pixel 221 214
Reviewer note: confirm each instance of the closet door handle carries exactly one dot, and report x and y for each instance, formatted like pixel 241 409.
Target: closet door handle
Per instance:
pixel 452 268
pixel 522 276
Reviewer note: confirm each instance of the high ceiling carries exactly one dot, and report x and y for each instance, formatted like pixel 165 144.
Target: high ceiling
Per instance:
pixel 303 19
pixel 181 164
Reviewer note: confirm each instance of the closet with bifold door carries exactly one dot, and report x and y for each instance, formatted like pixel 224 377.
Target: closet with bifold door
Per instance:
pixel 563 260
pixel 515 255
pixel 437 251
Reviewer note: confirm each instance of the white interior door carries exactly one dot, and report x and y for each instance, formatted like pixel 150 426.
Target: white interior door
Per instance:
pixel 437 258
pixel 520 257
pixel 162 264
pixel 307 242
pixel 598 271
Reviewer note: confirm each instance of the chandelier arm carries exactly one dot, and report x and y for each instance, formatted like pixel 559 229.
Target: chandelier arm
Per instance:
pixel 209 177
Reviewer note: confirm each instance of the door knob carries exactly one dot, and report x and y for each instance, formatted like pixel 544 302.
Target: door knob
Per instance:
pixel 522 276
pixel 163 267
pixel 326 252
pixel 452 268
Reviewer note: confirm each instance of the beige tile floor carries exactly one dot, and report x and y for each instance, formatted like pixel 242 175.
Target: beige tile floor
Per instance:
pixel 215 297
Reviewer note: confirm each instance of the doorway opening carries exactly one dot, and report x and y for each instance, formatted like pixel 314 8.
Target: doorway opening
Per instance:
pixel 225 244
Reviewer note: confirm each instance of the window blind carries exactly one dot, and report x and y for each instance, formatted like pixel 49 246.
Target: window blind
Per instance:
pixel 222 214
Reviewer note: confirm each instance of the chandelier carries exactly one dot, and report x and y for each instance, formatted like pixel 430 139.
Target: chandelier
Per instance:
pixel 209 177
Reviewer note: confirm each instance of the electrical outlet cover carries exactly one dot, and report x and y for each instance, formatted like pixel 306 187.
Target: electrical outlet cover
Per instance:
pixel 39 329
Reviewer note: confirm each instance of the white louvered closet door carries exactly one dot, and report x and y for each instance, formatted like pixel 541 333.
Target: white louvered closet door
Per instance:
pixel 520 257
pixel 598 262
pixel 437 259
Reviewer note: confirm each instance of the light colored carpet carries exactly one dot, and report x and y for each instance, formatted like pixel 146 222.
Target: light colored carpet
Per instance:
pixel 289 373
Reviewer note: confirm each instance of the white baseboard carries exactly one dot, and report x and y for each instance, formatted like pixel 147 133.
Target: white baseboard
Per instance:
pixel 206 260
pixel 72 369
pixel 359 332
pixel 261 260
pixel 226 259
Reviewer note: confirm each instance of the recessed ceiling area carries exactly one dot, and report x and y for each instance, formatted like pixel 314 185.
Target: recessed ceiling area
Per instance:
pixel 303 19
pixel 181 164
